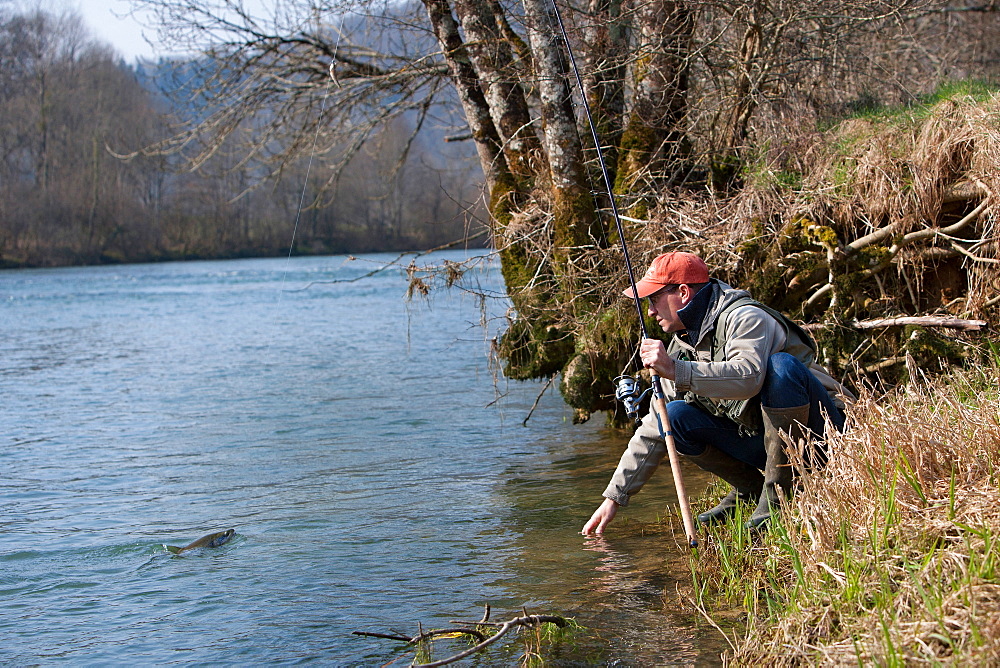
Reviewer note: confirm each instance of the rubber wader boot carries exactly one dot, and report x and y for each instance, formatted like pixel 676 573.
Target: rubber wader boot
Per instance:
pixel 746 480
pixel 778 472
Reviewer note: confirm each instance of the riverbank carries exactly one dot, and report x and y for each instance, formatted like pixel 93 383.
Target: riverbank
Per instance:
pixel 470 241
pixel 887 556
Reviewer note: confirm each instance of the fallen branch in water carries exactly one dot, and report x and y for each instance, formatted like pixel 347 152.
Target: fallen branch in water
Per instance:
pixel 525 620
pixel 547 385
pixel 423 635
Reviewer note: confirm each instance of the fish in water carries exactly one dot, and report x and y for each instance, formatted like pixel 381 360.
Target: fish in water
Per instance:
pixel 211 540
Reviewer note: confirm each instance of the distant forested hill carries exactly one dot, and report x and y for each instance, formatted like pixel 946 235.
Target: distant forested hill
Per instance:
pixel 76 186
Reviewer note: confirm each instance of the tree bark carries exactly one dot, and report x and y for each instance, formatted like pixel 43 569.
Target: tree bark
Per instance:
pixel 606 37
pixel 655 139
pixel 574 215
pixel 493 60
pixel 474 102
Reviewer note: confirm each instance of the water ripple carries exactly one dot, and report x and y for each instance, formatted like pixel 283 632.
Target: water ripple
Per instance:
pixel 340 431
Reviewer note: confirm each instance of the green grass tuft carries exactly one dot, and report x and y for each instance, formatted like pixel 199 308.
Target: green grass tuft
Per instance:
pixel 888 556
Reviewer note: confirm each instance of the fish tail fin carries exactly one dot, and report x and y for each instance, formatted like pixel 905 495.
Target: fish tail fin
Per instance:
pixel 173 549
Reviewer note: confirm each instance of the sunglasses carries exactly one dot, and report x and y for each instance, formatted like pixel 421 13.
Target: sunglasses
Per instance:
pixel 665 290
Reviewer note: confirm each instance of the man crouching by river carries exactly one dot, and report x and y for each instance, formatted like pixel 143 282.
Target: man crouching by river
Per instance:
pixel 739 374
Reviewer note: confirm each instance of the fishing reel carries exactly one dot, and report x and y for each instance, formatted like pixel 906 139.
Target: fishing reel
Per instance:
pixel 627 391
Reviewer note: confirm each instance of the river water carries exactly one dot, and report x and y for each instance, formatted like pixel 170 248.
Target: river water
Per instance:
pixel 376 473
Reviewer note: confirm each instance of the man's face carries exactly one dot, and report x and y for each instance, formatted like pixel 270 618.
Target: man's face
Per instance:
pixel 664 304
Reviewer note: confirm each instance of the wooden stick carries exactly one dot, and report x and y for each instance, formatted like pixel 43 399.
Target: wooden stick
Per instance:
pixel 949 322
pixel 660 405
pixel 922 321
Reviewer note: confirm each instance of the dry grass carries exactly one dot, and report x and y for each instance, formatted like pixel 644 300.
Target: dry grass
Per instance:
pixel 912 170
pixel 891 214
pixel 878 194
pixel 889 555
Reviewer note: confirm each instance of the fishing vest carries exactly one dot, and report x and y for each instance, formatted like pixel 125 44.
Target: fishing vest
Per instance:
pixel 746 412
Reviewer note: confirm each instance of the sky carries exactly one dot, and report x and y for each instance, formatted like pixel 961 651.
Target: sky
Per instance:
pixel 109 22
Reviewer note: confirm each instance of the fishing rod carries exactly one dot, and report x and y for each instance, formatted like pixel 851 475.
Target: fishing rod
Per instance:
pixel 626 388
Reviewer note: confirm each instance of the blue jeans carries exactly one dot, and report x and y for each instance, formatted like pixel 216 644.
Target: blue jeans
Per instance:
pixel 787 383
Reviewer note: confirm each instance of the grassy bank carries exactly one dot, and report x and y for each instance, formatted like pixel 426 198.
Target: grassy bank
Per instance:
pixel 891 554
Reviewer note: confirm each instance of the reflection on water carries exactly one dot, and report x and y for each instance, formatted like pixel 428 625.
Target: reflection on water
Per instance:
pixel 626 585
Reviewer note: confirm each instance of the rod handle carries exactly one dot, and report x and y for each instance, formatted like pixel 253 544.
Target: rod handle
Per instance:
pixel 660 405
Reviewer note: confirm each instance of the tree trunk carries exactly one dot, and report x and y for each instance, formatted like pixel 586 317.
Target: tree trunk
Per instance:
pixel 575 222
pixel 604 75
pixel 726 164
pixel 493 60
pixel 655 139
pixel 503 190
pixel 474 103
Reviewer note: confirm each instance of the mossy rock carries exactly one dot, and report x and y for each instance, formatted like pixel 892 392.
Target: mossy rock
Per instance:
pixel 929 349
pixel 781 273
pixel 533 350
pixel 582 390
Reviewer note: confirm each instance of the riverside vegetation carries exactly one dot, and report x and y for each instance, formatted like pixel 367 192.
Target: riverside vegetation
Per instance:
pixel 887 556
pixel 888 212
pixel 722 127
pixel 72 192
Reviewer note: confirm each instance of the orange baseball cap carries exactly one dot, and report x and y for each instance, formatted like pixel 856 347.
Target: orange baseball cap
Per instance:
pixel 670 269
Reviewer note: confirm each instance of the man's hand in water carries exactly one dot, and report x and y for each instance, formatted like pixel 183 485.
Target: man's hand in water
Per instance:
pixel 601 518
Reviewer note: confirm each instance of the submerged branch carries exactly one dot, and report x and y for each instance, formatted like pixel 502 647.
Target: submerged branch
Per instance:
pixel 548 384
pixel 525 620
pixel 420 637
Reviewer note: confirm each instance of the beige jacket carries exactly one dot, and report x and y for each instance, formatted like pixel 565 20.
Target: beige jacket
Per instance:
pixel 751 337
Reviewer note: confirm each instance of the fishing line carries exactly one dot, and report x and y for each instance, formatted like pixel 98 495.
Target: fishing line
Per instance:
pixel 627 387
pixel 309 164
pixel 305 181
pixel 604 169
pixel 305 185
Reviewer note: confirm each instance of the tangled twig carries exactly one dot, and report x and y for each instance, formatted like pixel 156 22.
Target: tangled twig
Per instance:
pixel 525 619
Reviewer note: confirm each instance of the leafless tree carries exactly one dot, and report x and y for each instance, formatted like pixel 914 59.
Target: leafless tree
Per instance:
pixel 679 90
pixel 64 99
pixel 69 106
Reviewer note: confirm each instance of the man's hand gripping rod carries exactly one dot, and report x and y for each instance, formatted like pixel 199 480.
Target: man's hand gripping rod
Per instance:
pixel 659 403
